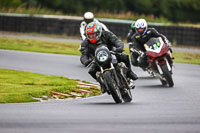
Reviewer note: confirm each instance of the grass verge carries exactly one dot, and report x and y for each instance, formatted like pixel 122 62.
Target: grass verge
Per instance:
pixel 187 58
pixel 72 49
pixel 19 86
pixel 39 46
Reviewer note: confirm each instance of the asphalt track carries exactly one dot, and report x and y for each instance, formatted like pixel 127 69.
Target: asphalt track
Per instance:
pixel 154 109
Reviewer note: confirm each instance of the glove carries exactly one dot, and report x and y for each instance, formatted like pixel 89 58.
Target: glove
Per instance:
pixel 167 42
pixel 141 53
pixel 169 46
pixel 137 51
pixel 88 62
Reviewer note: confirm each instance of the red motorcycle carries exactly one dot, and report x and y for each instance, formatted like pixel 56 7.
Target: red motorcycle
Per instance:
pixel 160 60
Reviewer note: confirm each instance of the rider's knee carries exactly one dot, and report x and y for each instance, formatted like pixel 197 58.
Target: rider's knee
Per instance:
pixel 143 63
pixel 134 62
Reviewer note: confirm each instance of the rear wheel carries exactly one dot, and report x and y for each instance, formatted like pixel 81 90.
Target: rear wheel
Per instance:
pixel 114 89
pixel 167 75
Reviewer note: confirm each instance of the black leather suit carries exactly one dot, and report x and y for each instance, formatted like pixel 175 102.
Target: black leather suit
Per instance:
pixel 111 41
pixel 137 43
pixel 129 35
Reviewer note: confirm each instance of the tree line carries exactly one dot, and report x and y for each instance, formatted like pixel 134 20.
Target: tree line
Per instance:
pixel 173 10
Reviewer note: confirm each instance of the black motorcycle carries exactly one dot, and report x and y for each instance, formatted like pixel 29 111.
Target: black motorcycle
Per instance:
pixel 112 75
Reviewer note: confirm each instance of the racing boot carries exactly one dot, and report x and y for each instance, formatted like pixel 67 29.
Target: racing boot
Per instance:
pixel 131 75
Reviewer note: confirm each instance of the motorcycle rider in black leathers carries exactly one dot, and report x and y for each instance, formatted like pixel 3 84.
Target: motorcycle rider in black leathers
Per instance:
pixel 87 18
pixel 131 32
pixel 95 37
pixel 142 35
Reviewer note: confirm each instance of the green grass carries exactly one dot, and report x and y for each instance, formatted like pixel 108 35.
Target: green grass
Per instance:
pixel 19 86
pixel 187 58
pixel 39 46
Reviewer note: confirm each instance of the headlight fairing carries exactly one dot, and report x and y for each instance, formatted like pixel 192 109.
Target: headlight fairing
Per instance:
pixel 102 56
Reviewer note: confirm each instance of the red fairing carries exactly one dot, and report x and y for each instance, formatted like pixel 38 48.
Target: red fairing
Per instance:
pixel 152 56
pixel 161 62
pixel 163 51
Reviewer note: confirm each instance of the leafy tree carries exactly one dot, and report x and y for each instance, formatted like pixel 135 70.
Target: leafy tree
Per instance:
pixel 174 10
pixel 10 3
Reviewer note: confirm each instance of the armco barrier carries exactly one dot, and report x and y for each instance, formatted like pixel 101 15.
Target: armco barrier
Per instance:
pixel 70 27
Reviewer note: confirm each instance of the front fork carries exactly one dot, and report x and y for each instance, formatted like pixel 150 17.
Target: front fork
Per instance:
pixel 113 71
pixel 115 74
pixel 165 62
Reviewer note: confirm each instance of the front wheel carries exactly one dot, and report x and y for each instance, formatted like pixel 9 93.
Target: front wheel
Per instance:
pixel 164 82
pixel 112 86
pixel 167 75
pixel 126 92
pixel 127 96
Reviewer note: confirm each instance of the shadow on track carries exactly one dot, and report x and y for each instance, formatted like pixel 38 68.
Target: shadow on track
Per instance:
pixel 153 87
pixel 147 78
pixel 110 104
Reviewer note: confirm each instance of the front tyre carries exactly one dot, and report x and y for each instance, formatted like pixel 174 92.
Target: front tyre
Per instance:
pixel 126 92
pixel 127 96
pixel 112 86
pixel 164 82
pixel 167 75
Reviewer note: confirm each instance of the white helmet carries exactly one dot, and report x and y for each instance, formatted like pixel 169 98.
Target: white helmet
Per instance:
pixel 88 17
pixel 141 26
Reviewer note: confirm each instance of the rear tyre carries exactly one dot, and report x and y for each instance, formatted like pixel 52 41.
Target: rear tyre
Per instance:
pixel 167 75
pixel 114 89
